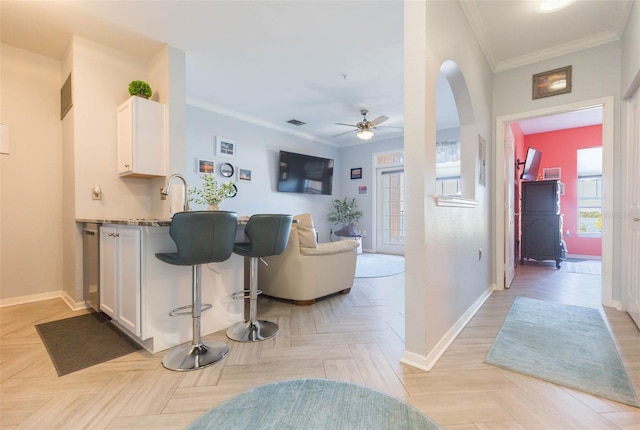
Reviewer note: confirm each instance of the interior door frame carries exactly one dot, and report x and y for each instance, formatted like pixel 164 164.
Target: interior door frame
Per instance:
pixel 607 104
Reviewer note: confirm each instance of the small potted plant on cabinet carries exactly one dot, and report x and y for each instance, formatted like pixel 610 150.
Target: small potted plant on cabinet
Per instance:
pixel 140 89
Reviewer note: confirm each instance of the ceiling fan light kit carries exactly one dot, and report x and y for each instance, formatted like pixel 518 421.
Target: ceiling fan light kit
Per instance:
pixel 365 134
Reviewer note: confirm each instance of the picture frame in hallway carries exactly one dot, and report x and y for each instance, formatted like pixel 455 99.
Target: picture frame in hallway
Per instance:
pixel 225 147
pixel 552 82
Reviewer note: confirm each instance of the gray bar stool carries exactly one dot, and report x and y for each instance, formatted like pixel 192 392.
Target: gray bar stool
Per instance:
pixel 268 234
pixel 201 237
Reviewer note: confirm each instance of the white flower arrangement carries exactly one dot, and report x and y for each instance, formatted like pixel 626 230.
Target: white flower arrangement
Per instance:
pixel 211 192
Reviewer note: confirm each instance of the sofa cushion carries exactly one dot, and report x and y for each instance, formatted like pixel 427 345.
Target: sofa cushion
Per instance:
pixel 306 230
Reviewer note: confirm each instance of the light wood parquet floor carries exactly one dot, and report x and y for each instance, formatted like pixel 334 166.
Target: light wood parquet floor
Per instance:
pixel 356 337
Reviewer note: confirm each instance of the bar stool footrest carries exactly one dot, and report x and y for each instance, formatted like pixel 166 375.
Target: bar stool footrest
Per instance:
pixel 245 294
pixel 188 310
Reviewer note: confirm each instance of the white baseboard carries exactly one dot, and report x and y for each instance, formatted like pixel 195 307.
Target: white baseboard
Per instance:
pixel 73 305
pixel 427 363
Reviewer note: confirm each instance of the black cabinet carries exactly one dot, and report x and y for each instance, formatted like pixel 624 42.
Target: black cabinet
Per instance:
pixel 541 222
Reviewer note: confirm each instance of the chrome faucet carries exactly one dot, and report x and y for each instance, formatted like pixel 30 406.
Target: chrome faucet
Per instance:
pixel 165 191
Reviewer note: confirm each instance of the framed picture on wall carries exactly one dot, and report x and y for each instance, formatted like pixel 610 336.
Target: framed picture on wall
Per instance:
pixel 552 82
pixel 363 190
pixel 244 175
pixel 205 166
pixel 356 173
pixel 225 147
pixel 552 173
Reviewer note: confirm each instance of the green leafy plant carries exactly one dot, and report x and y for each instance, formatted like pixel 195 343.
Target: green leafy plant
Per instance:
pixel 140 88
pixel 345 211
pixel 211 192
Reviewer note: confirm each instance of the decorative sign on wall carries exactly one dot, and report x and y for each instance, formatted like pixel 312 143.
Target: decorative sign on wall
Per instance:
pixel 552 83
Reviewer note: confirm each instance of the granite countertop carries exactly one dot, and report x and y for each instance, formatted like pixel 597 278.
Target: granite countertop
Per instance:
pixel 148 222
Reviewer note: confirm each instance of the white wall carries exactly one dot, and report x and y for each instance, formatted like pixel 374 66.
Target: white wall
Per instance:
pixel 31 176
pixel 257 150
pixel 441 240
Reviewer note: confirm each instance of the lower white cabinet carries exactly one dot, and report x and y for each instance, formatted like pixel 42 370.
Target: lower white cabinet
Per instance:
pixel 120 275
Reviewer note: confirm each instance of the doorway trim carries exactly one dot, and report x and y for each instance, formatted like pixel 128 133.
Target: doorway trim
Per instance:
pixel 607 104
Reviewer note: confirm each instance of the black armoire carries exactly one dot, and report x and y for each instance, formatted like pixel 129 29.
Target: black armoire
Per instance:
pixel 541 222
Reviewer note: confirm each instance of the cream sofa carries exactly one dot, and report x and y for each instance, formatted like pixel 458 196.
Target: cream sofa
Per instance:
pixel 308 270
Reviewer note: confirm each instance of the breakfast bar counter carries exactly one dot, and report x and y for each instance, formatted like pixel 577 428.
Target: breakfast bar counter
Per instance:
pixel 137 290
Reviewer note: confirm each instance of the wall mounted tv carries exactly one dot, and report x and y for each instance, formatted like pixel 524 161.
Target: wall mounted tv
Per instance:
pixel 305 174
pixel 531 165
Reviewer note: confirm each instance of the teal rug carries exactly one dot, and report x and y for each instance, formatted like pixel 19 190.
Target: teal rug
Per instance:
pixel 564 344
pixel 304 404
pixel 369 265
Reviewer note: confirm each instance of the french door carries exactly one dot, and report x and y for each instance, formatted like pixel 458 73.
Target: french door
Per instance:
pixel 390 210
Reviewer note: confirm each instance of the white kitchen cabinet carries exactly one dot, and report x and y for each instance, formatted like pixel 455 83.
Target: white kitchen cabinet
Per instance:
pixel 120 275
pixel 141 138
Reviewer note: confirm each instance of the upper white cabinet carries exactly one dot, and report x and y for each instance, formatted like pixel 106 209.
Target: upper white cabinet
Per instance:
pixel 141 138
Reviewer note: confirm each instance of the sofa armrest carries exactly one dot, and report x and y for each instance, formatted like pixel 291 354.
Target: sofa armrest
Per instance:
pixel 331 247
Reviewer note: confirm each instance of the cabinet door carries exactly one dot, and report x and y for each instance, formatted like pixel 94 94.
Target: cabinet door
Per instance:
pixel 128 291
pixel 108 269
pixel 125 138
pixel 141 138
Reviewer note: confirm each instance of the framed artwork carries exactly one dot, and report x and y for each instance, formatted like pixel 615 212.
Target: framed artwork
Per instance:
pixel 244 175
pixel 552 83
pixel 551 174
pixel 226 147
pixel 205 166
pixel 363 190
pixel 482 161
pixel 356 173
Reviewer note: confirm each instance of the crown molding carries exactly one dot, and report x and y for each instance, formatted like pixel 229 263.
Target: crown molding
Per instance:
pixel 556 51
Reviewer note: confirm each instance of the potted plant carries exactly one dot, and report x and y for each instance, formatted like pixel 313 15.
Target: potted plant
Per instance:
pixel 345 211
pixel 140 89
pixel 211 192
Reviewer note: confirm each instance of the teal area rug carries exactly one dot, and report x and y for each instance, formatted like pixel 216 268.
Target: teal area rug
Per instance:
pixel 564 344
pixel 369 265
pixel 304 404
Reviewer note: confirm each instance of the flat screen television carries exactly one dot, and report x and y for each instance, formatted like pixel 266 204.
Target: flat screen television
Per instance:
pixel 531 165
pixel 306 174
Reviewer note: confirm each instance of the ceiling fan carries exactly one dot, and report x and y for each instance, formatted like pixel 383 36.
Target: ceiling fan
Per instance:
pixel 365 127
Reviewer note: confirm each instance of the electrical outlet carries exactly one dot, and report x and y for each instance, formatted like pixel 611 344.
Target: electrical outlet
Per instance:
pixel 96 193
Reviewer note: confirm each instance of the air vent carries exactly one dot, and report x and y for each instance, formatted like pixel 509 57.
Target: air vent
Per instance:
pixel 66 99
pixel 296 122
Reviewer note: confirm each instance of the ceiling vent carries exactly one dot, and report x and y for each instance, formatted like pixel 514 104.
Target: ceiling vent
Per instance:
pixel 296 122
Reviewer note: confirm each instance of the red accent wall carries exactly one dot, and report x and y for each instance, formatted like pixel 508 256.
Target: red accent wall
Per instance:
pixel 559 149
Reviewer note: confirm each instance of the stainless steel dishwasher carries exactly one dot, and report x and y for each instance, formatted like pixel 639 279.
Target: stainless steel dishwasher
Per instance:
pixel 91 264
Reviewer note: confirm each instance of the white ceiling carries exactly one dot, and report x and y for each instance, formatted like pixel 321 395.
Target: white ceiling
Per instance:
pixel 318 61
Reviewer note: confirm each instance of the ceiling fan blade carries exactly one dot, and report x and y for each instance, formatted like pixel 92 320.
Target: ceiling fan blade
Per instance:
pixel 348 125
pixel 378 120
pixel 389 126
pixel 346 132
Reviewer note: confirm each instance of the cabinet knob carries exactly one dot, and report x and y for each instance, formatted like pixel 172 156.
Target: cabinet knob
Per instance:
pixel 126 165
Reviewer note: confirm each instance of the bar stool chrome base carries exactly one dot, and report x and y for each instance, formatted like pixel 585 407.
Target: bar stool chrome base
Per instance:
pixel 194 356
pixel 252 331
